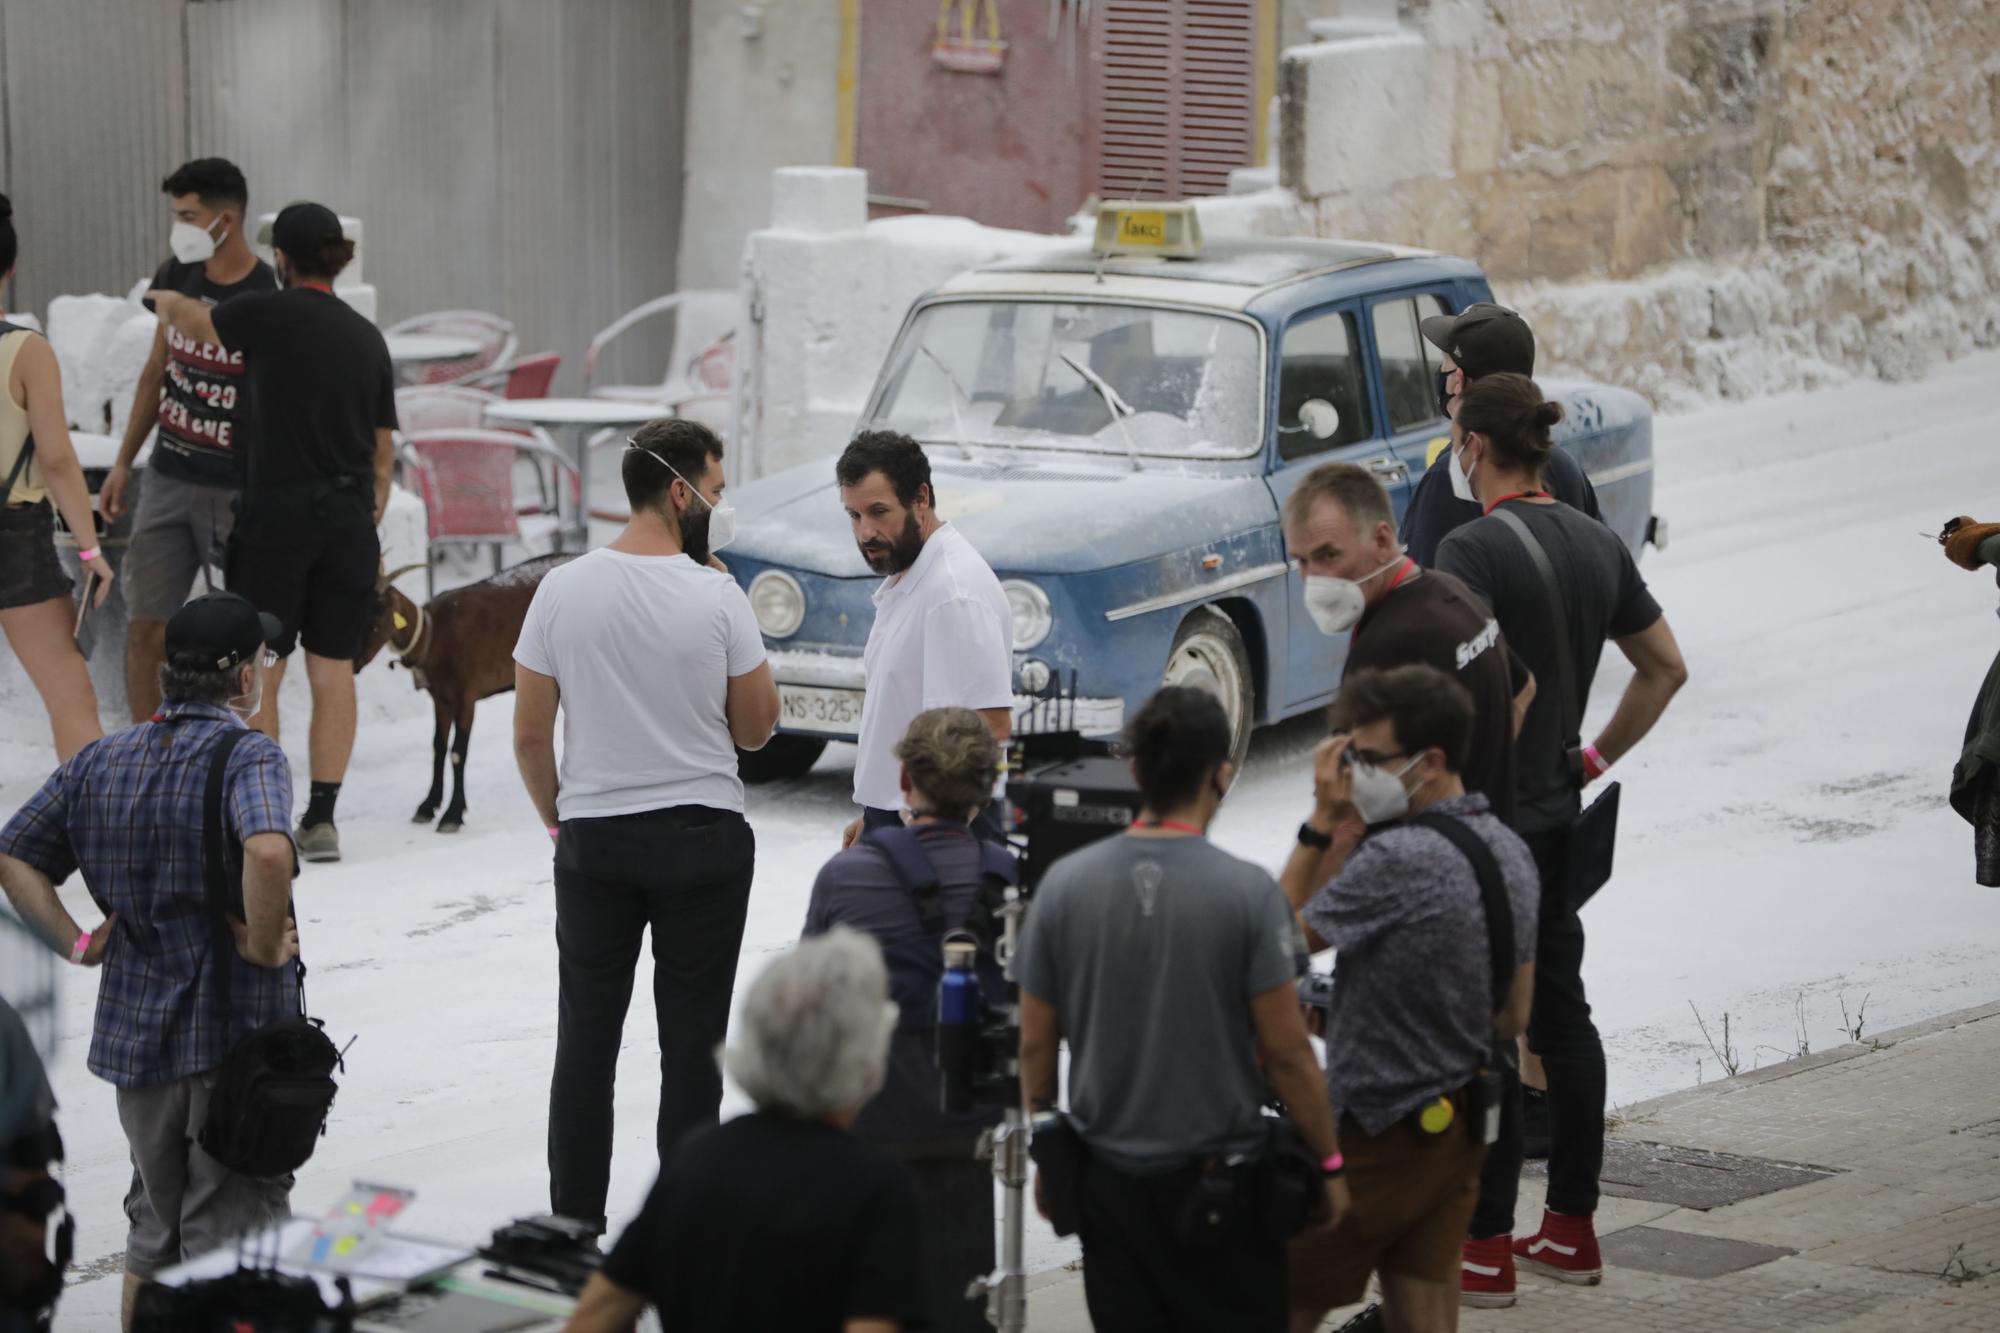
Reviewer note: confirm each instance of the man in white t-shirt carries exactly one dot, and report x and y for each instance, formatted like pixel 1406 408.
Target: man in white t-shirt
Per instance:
pixel 651 653
pixel 943 636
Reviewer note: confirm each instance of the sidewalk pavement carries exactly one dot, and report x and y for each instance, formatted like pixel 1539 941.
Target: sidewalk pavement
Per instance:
pixel 1894 1224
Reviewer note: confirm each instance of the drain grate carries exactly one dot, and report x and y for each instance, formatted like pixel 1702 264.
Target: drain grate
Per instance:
pixel 1690 1177
pixel 1677 1254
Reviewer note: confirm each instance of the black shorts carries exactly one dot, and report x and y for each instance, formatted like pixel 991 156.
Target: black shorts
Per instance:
pixel 311 561
pixel 30 570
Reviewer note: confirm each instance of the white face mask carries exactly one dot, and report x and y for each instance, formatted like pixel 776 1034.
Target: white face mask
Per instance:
pixel 721 517
pixel 192 244
pixel 1379 794
pixel 1336 604
pixel 245 706
pixel 1461 480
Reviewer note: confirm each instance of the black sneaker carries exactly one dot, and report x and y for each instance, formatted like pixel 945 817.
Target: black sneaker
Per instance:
pixel 1368 1321
pixel 1534 1124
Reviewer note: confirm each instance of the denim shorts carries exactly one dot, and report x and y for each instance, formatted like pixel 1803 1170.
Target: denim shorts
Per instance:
pixel 30 570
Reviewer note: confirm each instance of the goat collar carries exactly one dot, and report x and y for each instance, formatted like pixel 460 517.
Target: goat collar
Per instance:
pixel 405 651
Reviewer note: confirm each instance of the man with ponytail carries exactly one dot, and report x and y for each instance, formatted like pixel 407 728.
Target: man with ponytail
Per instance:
pixel 1170 967
pixel 1562 585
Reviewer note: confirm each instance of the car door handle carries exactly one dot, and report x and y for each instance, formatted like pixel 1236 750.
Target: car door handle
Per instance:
pixel 1389 469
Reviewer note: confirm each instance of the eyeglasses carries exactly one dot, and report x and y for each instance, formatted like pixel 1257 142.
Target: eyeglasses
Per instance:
pixel 1357 755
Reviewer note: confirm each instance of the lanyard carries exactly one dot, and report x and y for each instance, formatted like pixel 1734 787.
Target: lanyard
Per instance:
pixel 1173 826
pixel 1409 568
pixel 1517 495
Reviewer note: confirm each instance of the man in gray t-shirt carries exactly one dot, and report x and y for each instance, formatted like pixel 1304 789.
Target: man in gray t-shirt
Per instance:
pixel 1169 967
pixel 1151 949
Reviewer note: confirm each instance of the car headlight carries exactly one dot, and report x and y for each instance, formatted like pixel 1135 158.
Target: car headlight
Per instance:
pixel 1029 606
pixel 778 603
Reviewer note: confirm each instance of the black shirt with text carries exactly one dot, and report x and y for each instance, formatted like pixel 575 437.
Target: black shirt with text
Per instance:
pixel 204 393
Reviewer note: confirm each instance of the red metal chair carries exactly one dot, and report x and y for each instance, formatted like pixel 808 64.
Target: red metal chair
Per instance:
pixel 523 377
pixel 466 478
pixel 495 336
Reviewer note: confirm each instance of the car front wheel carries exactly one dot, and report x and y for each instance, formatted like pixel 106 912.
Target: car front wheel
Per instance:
pixel 1208 654
pixel 782 757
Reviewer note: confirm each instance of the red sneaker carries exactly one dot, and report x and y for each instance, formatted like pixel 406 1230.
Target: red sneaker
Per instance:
pixel 1486 1273
pixel 1565 1248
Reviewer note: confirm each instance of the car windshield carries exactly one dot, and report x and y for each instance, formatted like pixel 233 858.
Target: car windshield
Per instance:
pixel 1113 379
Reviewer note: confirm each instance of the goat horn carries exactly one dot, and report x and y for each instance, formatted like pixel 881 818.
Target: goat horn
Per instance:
pixel 395 574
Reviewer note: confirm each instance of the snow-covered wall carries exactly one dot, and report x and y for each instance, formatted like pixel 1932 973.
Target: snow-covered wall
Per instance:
pixel 1694 198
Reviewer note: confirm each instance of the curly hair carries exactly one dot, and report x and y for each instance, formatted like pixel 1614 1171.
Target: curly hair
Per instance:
pixel 898 457
pixel 952 760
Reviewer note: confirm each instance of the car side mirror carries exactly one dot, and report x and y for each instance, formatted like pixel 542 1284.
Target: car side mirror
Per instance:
pixel 1320 418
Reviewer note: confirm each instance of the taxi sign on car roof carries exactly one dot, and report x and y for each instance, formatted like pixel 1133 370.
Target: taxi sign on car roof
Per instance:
pixel 1172 231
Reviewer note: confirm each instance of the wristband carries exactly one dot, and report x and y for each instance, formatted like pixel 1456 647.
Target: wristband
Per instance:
pixel 80 948
pixel 555 830
pixel 91 554
pixel 1594 766
pixel 1333 1166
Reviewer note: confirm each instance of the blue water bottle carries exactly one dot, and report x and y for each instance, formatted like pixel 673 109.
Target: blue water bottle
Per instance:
pixel 958 1014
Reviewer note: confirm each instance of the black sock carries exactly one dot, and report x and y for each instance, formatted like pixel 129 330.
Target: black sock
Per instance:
pixel 319 807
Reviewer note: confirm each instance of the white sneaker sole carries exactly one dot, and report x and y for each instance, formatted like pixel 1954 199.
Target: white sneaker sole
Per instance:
pixel 1589 1277
pixel 1487 1300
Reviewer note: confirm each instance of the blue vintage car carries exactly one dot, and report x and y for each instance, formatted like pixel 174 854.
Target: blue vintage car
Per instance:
pixel 1117 435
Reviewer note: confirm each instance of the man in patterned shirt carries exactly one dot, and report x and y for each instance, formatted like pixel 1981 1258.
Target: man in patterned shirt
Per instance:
pixel 127 812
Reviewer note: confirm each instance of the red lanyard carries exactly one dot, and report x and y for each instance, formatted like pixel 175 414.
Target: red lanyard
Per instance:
pixel 1517 495
pixel 1409 568
pixel 1174 826
pixel 326 287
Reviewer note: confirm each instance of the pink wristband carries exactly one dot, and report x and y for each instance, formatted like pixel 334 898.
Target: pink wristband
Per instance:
pixel 80 948
pixel 1593 762
pixel 1333 1165
pixel 555 830
pixel 91 554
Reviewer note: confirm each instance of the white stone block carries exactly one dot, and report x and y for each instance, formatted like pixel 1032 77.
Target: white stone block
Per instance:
pixel 819 199
pixel 1377 111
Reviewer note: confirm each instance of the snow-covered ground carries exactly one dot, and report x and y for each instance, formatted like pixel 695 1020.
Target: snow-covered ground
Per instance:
pixel 1787 843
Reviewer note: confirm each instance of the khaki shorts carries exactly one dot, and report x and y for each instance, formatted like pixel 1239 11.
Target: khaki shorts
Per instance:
pixel 1413 1195
pixel 183 1203
pixel 178 532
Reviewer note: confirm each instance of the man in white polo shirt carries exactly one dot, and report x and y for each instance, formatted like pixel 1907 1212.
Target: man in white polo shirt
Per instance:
pixel 942 637
pixel 653 656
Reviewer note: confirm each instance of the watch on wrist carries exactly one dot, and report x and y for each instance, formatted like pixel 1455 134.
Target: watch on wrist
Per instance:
pixel 1313 838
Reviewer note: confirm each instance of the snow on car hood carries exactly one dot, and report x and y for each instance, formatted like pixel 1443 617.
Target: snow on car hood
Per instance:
pixel 1055 516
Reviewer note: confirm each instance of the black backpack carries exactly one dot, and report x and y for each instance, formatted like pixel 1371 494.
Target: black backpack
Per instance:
pixel 999 870
pixel 273 1088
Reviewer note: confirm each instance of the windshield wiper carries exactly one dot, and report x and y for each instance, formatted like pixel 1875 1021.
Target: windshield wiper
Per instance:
pixel 957 422
pixel 1116 406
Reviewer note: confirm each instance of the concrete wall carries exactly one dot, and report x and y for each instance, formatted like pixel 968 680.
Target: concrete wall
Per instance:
pixel 762 93
pixel 1697 197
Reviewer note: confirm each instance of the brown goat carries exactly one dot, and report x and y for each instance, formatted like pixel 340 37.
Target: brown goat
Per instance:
pixel 460 647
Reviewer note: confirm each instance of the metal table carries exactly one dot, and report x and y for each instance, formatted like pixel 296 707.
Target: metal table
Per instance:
pixel 410 352
pixel 572 421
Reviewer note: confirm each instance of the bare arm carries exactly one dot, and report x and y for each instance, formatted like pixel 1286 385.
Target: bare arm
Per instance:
pixel 268 937
pixel 752 707
pixel 34 898
pixel 605 1307
pixel 194 319
pixel 1308 869
pixel 1289 1064
pixel 1521 703
pixel 1000 721
pixel 385 467
pixel 1041 1032
pixel 145 416
pixel 1512 1021
pixel 1658 674
pixel 535 700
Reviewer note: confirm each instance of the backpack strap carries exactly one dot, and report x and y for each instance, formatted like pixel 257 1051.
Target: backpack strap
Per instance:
pixel 1492 892
pixel 1568 706
pixel 912 864
pixel 215 871
pixel 999 866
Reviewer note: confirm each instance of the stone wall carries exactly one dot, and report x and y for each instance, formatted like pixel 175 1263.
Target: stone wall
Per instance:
pixel 1694 198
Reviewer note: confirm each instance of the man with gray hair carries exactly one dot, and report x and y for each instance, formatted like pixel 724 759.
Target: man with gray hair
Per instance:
pixel 781 1219
pixel 907 887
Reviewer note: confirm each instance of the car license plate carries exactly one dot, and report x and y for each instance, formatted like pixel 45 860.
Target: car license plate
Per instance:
pixel 816 708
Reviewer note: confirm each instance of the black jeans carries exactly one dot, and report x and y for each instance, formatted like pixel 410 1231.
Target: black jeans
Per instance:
pixel 684 871
pixel 1560 1030
pixel 1138 1277
pixel 955 1214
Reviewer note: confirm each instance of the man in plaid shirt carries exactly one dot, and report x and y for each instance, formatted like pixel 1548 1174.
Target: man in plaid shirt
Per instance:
pixel 127 812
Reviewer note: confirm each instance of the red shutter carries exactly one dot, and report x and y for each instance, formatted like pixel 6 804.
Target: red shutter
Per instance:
pixel 1175 85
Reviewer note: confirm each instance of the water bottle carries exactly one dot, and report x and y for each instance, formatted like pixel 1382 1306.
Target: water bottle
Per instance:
pixel 958 1015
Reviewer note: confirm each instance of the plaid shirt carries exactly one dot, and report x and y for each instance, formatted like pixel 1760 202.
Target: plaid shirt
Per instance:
pixel 127 812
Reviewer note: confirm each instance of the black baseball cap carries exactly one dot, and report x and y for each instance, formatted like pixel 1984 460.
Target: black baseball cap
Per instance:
pixel 218 631
pixel 1484 339
pixel 305 229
